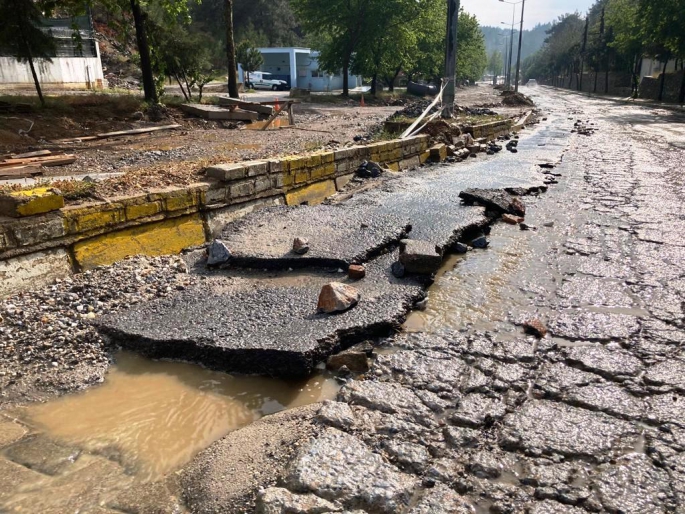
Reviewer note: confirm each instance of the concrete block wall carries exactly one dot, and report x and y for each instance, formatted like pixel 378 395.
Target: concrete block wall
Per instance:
pixel 41 239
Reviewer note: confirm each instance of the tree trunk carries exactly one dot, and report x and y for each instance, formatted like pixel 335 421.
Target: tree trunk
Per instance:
pixel 185 95
pixel 635 85
pixel 230 51
pixel 681 96
pixel 144 51
pixel 663 81
pixel 374 84
pixel 594 89
pixel 36 81
pixel 346 79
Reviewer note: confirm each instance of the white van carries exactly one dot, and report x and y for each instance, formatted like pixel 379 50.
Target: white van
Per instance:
pixel 263 80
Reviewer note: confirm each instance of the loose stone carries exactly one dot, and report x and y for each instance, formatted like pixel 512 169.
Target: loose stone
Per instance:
pixel 419 257
pixel 356 271
pixel 337 297
pixel 218 253
pixel 511 219
pixel 300 246
pixel 535 327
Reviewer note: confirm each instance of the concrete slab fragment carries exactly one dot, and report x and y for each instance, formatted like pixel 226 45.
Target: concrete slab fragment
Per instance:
pixel 267 327
pixel 337 235
pixel 33 270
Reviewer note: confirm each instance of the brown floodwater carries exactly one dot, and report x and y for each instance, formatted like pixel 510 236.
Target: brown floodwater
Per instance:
pixel 154 416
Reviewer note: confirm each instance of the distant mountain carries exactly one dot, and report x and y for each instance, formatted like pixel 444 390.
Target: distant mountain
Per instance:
pixel 496 38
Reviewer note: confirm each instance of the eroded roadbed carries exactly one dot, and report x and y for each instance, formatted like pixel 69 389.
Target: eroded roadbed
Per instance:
pixel 267 326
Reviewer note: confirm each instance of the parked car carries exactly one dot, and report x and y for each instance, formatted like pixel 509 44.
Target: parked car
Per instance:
pixel 264 80
pixel 532 83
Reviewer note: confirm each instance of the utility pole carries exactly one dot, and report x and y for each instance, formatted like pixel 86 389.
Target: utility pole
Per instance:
pixel 450 59
pixel 511 52
pixel 518 59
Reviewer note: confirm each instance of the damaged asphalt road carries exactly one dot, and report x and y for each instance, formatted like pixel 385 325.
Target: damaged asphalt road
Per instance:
pixel 234 323
pixel 488 419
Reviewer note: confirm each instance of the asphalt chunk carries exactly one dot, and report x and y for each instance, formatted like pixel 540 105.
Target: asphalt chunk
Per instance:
pixel 267 327
pixel 337 235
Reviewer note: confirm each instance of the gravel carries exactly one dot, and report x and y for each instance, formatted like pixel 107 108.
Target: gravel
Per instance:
pixel 47 341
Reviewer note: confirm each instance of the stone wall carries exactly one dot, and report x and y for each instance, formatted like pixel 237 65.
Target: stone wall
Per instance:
pixel 650 86
pixel 41 239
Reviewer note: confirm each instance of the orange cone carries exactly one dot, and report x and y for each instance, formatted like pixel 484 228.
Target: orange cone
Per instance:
pixel 362 104
pixel 276 106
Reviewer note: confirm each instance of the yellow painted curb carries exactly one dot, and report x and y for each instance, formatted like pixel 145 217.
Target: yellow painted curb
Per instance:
pixel 313 194
pixel 160 238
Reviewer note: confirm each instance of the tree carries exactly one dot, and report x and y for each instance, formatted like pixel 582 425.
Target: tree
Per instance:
pixel 338 26
pixel 471 57
pixel 662 32
pixel 230 50
pixel 22 36
pixel 495 65
pixel 250 58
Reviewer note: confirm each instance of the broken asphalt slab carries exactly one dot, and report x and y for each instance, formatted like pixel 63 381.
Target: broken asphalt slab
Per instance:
pixel 263 327
pixel 337 235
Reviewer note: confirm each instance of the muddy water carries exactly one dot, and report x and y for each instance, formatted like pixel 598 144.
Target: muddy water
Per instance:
pixel 154 416
pixel 475 288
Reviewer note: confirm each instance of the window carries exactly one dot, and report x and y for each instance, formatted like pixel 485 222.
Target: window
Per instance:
pixel 317 74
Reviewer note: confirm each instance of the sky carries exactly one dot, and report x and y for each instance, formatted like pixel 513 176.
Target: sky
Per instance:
pixel 493 12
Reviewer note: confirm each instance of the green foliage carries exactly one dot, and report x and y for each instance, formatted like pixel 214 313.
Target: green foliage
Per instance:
pixel 249 57
pixel 496 63
pixel 471 57
pixel 381 38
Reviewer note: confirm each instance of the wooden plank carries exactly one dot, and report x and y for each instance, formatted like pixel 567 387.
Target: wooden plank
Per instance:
pixel 37 153
pixel 279 102
pixel 52 160
pixel 248 106
pixel 20 172
pixel 74 140
pixel 213 112
pixel 134 132
pixel 271 119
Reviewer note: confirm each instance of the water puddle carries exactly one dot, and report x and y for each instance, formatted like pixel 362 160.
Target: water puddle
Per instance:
pixel 475 288
pixel 154 416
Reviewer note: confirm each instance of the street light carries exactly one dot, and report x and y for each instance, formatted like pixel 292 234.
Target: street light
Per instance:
pixel 518 59
pixel 510 51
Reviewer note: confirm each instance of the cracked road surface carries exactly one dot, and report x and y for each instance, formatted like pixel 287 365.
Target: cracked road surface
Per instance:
pixel 465 413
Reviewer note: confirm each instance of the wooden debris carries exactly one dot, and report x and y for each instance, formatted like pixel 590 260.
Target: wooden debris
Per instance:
pixel 106 135
pixel 134 132
pixel 232 103
pixel 30 170
pixel 214 112
pixel 38 153
pixel 50 160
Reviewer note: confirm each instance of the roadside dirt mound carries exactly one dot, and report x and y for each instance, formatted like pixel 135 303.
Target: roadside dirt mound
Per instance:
pixel 514 99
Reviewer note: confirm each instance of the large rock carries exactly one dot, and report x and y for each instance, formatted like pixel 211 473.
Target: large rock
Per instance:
pixel 218 253
pixel 337 297
pixel 419 257
pixel 339 467
pixel 497 200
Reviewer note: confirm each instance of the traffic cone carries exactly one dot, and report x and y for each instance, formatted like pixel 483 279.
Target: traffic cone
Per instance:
pixel 276 106
pixel 362 104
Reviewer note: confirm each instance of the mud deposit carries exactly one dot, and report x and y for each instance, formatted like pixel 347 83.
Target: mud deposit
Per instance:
pixel 146 420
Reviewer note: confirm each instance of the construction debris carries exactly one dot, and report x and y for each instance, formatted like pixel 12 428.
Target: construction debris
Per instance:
pixel 119 133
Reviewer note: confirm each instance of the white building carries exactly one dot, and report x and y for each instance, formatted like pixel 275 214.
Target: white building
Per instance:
pixel 300 68
pixel 75 65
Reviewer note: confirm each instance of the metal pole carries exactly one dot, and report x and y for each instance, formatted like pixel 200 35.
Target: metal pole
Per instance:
pixel 511 53
pixel 450 58
pixel 518 59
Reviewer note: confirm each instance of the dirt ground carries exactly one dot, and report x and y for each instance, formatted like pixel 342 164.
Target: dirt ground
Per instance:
pixel 178 157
